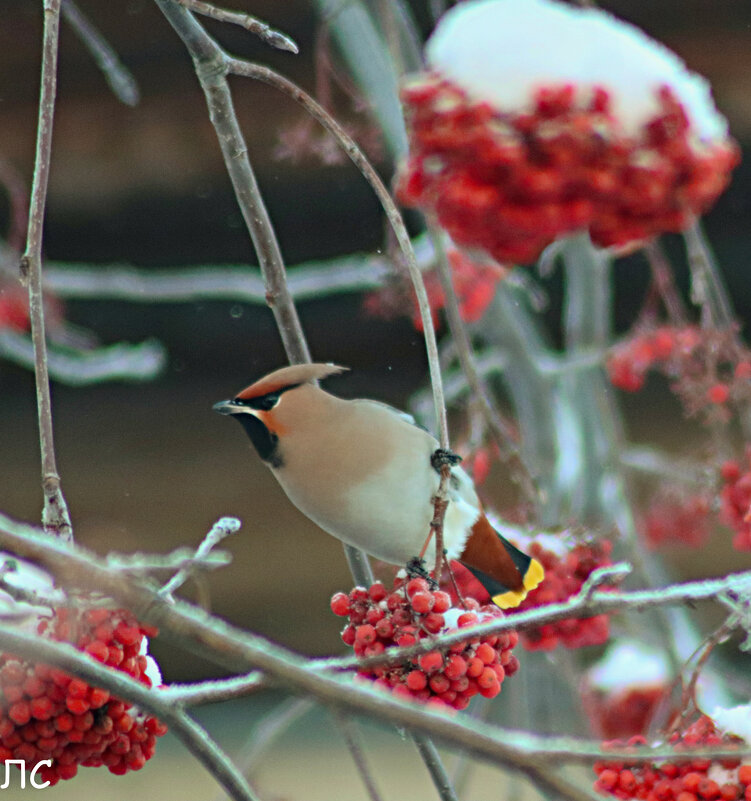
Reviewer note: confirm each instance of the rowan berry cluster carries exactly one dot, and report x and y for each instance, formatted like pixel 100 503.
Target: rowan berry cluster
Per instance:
pixel 565 573
pixel 697 779
pixel 709 368
pixel 674 518
pixel 629 361
pixel 511 182
pixel 47 714
pixel 410 613
pixel 474 286
pixel 735 497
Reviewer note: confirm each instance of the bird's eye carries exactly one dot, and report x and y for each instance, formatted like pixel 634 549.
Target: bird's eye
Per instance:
pixel 267 402
pixel 264 403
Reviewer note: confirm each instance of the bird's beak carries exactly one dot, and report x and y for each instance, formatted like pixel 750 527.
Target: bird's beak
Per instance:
pixel 225 407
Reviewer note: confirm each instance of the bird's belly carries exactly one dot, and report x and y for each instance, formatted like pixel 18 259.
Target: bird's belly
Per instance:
pixel 388 518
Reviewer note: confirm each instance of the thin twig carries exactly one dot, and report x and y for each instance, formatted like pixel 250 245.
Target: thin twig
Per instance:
pixel 179 559
pixel 211 68
pixel 271 728
pixel 119 78
pixel 350 735
pixel 662 277
pixel 221 529
pixel 196 739
pixel 707 287
pixel 436 768
pixel 55 514
pixel 499 428
pixel 264 32
pixel 214 691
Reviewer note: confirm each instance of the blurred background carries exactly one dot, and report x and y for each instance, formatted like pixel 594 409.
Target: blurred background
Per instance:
pixel 148 466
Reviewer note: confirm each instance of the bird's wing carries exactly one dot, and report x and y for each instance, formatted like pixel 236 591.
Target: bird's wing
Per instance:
pixel 405 416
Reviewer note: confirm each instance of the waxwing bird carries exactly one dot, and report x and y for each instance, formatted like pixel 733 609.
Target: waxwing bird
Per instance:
pixel 363 472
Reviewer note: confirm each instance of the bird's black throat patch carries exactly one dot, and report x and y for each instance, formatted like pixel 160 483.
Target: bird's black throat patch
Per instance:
pixel 266 443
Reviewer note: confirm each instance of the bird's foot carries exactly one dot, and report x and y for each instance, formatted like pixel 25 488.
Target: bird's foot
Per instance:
pixel 441 457
pixel 416 569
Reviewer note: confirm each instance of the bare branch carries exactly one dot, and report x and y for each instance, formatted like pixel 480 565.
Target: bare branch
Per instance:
pixel 265 32
pixel 435 766
pixel 119 78
pixel 55 514
pixel 226 645
pixel 238 283
pixel 121 361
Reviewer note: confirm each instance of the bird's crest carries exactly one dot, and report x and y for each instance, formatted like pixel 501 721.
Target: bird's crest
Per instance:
pixel 288 377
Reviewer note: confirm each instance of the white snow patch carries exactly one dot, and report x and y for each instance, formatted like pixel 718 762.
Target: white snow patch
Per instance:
pixel 152 668
pixel 502 51
pixel 717 773
pixel 626 664
pixel 25 576
pixel 734 720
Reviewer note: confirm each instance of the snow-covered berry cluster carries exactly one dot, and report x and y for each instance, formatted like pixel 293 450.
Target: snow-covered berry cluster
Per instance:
pixel 566 570
pixel 698 779
pixel 735 511
pixel 625 688
pixel 474 282
pixel 410 613
pixel 676 518
pixel 510 155
pixel 47 714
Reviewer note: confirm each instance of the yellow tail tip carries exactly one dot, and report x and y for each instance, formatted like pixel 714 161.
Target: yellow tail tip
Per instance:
pixel 534 575
pixel 532 579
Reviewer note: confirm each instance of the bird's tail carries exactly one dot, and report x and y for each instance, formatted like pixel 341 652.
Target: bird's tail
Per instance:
pixel 513 575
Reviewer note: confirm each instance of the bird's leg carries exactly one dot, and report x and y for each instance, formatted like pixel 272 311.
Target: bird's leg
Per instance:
pixel 442 457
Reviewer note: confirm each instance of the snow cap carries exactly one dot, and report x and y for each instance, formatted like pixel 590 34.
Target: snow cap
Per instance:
pixel 503 51
pixel 626 664
pixel 734 720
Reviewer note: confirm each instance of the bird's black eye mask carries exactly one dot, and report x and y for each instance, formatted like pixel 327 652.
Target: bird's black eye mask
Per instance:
pixel 265 402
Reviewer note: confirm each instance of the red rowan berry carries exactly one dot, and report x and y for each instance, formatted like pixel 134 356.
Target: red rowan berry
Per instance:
pixel 339 604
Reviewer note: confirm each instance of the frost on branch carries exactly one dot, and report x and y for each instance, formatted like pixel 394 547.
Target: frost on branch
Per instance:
pixel 539 119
